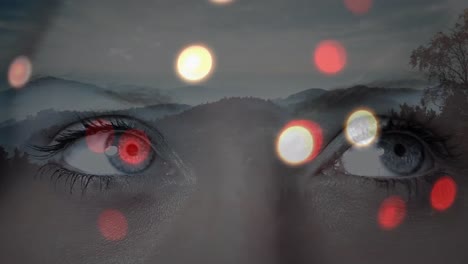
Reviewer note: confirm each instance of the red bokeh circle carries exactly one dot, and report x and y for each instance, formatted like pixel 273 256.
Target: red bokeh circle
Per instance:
pixel 358 7
pixel 99 134
pixel 330 57
pixel 443 193
pixel 19 72
pixel 392 212
pixel 113 225
pixel 314 129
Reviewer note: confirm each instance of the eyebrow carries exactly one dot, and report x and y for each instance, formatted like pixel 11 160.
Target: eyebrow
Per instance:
pixel 50 93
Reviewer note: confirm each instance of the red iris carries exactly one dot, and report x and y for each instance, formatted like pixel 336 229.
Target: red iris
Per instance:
pixel 134 147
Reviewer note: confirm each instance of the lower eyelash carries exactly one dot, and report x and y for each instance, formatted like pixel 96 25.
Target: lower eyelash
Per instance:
pixel 414 186
pixel 57 173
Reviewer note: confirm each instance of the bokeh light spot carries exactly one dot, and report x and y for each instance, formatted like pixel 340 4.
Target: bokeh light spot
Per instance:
pixel 113 225
pixel 330 57
pixel 134 147
pixel 299 142
pixel 361 128
pixel 111 151
pixel 19 72
pixel 358 7
pixel 392 212
pixel 195 63
pixel 99 134
pixel 221 2
pixel 443 193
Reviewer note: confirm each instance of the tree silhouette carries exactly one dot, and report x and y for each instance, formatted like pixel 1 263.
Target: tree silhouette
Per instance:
pixel 445 58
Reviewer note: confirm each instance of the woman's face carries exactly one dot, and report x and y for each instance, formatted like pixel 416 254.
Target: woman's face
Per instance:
pixel 177 132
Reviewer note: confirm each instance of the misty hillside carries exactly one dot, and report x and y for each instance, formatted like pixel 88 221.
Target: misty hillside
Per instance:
pixel 11 133
pixel 413 84
pixel 59 94
pixel 340 98
pixel 142 95
pixel 300 97
pixel 38 94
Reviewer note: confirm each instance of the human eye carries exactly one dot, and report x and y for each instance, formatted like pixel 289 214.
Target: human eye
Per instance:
pixel 106 151
pixel 404 149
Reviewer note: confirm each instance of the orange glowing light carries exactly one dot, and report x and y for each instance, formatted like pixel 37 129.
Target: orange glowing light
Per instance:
pixel 330 57
pixel 299 142
pixel 443 193
pixel 392 212
pixel 221 2
pixel 113 225
pixel 195 63
pixel 358 7
pixel 19 72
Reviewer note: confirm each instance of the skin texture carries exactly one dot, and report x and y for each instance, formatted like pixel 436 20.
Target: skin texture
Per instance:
pixel 216 191
pixel 242 203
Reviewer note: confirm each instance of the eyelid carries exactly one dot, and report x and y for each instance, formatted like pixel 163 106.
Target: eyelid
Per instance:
pixel 339 144
pixel 333 150
pixel 75 130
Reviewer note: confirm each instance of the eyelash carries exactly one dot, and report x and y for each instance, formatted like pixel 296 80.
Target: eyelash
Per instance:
pixel 57 172
pixel 67 137
pixel 396 122
pixel 408 122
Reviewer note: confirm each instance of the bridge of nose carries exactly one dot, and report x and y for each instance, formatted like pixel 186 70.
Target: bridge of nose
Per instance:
pixel 232 215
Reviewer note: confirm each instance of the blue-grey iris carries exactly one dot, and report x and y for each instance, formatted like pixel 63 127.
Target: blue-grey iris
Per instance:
pixel 403 154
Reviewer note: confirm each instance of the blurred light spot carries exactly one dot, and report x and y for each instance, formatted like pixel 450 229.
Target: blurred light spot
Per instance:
pixel 99 135
pixel 134 147
pixel 221 2
pixel 392 212
pixel 19 72
pixel 358 7
pixel 195 63
pixel 113 225
pixel 111 151
pixel 443 193
pixel 330 57
pixel 299 142
pixel 380 151
pixel 361 128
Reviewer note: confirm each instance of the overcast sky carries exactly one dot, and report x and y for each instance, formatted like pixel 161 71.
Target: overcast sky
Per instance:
pixel 259 44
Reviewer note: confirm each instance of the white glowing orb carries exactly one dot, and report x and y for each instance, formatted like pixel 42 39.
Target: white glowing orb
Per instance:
pixel 221 2
pixel 361 128
pixel 194 63
pixel 295 145
pixel 19 72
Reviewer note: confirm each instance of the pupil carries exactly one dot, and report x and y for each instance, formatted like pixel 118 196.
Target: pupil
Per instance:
pixel 399 150
pixel 132 149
